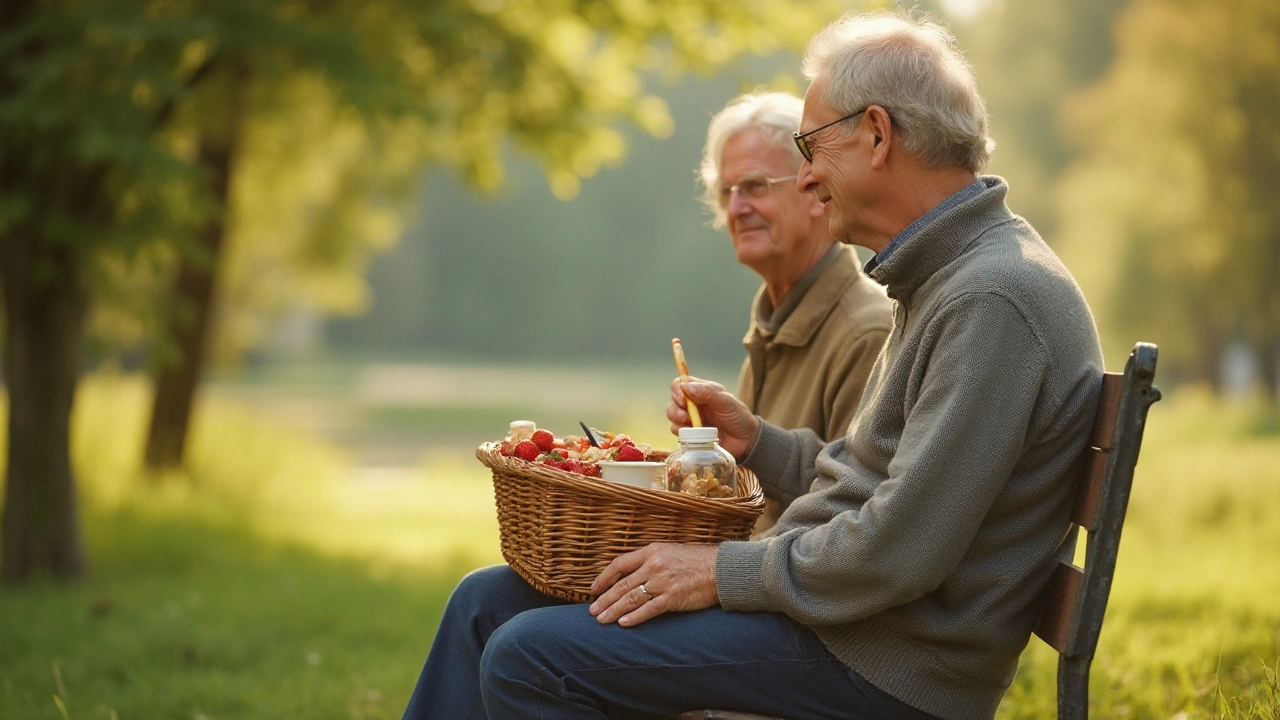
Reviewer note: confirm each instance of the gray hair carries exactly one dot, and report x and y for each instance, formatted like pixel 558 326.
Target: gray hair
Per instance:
pixel 776 115
pixel 912 67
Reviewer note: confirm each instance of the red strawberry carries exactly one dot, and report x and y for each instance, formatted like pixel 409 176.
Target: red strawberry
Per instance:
pixel 544 440
pixel 526 450
pixel 589 469
pixel 630 453
pixel 506 449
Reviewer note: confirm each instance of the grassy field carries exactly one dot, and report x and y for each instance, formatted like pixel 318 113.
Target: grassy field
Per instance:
pixel 269 581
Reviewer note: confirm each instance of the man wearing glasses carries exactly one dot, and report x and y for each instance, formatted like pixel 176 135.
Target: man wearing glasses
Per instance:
pixel 902 582
pixel 817 323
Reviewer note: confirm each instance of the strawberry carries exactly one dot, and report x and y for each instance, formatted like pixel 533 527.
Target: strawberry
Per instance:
pixel 506 449
pixel 544 440
pixel 630 453
pixel 526 450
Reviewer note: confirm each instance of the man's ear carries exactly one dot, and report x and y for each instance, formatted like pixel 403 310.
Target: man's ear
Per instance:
pixel 882 130
pixel 816 208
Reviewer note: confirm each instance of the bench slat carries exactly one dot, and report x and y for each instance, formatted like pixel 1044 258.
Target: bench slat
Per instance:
pixel 1089 473
pixel 1059 602
pixel 1104 423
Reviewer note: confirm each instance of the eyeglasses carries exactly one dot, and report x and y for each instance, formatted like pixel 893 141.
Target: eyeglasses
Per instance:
pixel 802 141
pixel 756 186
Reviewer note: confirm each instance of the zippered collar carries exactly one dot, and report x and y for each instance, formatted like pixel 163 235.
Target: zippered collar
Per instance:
pixel 941 240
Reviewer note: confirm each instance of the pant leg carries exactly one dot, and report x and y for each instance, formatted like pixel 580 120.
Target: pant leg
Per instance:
pixel 449 686
pixel 559 663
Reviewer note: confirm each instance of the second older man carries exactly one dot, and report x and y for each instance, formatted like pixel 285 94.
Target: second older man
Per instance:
pixel 817 323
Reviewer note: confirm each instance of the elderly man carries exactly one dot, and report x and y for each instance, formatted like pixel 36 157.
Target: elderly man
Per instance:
pixel 817 323
pixel 902 582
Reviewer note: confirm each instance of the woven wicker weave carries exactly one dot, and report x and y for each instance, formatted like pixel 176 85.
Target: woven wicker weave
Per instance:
pixel 559 529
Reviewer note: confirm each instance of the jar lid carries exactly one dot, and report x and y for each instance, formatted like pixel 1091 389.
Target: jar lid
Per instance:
pixel 699 434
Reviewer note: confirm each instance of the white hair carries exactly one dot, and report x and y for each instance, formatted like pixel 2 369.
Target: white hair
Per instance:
pixel 912 67
pixel 776 115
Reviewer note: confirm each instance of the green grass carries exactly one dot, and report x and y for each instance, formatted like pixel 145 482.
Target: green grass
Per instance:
pixel 262 584
pixel 1193 625
pixel 265 582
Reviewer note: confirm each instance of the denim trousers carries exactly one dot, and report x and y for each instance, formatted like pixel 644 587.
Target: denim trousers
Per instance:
pixel 504 650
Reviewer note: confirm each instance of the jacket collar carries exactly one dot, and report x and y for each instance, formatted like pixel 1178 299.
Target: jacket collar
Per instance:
pixel 815 306
pixel 941 240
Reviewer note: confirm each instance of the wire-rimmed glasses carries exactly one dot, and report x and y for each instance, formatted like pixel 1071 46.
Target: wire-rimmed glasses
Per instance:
pixel 755 186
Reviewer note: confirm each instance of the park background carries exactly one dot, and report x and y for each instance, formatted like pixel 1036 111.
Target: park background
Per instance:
pixel 296 259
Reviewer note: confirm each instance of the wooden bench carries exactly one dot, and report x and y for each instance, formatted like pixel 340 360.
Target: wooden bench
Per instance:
pixel 1073 605
pixel 1074 602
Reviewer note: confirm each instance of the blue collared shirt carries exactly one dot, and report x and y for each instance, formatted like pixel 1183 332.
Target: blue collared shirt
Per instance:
pixel 919 223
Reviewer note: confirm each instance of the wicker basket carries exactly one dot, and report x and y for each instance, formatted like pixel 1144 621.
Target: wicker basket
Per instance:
pixel 560 529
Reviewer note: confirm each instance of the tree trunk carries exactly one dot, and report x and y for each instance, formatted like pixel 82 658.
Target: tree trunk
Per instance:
pixel 1207 364
pixel 45 328
pixel 1268 350
pixel 193 297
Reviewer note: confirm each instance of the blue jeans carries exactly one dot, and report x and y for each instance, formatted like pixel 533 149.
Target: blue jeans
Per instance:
pixel 504 650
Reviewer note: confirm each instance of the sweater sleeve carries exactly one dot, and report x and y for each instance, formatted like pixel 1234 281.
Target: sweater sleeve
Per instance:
pixel 979 380
pixel 784 459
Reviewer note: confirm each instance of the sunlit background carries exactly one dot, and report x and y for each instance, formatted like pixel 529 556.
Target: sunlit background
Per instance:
pixel 309 255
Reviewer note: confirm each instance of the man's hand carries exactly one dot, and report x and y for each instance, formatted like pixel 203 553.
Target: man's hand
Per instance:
pixel 738 426
pixel 662 577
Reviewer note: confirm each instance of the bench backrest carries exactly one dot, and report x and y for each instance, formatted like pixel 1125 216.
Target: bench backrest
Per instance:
pixel 1073 605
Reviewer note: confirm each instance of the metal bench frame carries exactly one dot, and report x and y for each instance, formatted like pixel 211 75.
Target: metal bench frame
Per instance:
pixel 1075 601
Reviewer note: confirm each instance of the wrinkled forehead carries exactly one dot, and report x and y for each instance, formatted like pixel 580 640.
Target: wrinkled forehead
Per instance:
pixel 753 152
pixel 815 104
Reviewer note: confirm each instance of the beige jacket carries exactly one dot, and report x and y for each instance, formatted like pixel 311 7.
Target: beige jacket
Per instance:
pixel 812 372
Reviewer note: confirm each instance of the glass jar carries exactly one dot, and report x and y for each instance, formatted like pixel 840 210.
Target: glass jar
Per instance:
pixel 699 466
pixel 521 430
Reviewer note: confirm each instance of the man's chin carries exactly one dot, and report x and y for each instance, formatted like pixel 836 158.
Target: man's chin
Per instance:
pixel 753 259
pixel 840 231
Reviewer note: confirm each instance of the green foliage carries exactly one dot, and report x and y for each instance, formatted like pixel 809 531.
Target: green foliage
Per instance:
pixel 613 274
pixel 83 90
pixel 1029 57
pixel 343 104
pixel 1168 211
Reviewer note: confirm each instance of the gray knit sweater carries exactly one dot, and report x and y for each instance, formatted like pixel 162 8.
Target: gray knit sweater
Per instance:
pixel 928 531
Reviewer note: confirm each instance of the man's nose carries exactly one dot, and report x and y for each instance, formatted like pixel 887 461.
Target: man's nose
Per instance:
pixel 739 203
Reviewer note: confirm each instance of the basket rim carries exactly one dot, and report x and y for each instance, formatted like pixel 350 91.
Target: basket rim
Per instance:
pixel 746 505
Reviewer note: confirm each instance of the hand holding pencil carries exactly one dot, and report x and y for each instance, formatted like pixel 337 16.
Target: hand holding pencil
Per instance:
pixel 682 368
pixel 704 402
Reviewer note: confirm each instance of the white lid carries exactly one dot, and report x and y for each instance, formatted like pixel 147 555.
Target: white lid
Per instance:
pixel 699 434
pixel 523 425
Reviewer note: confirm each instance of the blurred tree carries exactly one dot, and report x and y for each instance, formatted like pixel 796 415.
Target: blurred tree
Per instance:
pixel 550 76
pixel 125 126
pixel 1030 57
pixel 1170 212
pixel 260 54
pixel 87 181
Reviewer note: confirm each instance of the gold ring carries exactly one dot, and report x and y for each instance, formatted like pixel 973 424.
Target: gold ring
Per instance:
pixel 647 596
